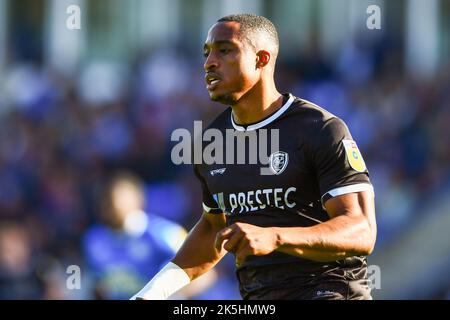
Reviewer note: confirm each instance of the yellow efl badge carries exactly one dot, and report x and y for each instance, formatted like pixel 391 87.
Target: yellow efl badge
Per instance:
pixel 354 156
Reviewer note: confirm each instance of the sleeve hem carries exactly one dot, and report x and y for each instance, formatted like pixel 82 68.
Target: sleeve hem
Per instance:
pixel 210 210
pixel 347 189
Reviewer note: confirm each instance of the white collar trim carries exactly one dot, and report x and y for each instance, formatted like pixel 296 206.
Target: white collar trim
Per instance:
pixel 266 121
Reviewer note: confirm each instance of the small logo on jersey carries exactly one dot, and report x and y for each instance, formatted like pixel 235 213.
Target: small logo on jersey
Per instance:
pixel 278 161
pixel 324 293
pixel 217 171
pixel 354 157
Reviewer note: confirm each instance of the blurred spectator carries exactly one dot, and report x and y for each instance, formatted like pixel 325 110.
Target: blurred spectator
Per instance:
pixel 18 265
pixel 130 246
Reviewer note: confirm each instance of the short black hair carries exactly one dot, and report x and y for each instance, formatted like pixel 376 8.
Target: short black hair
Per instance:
pixel 251 23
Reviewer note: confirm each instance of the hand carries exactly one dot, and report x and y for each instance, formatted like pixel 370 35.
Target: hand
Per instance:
pixel 245 239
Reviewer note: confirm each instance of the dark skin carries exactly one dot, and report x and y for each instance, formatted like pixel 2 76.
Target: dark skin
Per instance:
pixel 351 231
pixel 245 73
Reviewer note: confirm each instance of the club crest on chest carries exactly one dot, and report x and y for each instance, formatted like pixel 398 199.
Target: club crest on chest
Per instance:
pixel 278 162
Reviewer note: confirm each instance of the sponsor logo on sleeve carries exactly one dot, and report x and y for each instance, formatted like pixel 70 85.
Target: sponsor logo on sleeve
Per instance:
pixel 354 156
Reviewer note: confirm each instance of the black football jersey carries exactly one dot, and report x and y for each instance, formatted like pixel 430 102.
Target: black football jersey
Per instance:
pixel 315 159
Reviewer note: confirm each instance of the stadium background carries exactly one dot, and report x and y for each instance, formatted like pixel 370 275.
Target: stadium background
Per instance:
pixel 76 106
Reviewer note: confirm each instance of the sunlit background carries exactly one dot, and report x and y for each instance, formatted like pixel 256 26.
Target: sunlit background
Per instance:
pixel 86 115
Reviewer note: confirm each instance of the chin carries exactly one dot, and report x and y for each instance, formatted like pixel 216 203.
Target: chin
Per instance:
pixel 227 99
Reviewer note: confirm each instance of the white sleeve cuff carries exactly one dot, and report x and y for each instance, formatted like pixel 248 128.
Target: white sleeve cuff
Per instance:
pixel 347 189
pixel 166 282
pixel 208 209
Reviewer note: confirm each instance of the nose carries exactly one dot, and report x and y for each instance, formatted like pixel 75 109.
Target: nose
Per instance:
pixel 210 62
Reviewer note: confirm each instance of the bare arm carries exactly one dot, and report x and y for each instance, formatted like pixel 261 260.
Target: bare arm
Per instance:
pixel 198 254
pixel 350 231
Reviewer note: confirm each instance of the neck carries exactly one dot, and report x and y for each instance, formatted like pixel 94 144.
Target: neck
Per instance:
pixel 257 104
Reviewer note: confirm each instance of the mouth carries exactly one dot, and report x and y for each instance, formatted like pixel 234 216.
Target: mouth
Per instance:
pixel 212 80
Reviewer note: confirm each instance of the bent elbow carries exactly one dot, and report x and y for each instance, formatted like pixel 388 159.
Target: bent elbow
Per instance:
pixel 364 245
pixel 367 248
pixel 368 241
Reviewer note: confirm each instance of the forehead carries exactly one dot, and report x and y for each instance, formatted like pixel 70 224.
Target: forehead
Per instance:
pixel 223 32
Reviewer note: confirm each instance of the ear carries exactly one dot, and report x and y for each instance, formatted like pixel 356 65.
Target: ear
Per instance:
pixel 262 58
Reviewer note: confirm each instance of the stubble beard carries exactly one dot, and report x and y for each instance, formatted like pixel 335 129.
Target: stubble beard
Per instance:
pixel 226 99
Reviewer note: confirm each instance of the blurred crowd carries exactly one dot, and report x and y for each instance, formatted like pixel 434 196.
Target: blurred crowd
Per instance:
pixel 64 137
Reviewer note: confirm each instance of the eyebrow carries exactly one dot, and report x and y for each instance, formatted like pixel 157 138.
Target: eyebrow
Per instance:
pixel 219 42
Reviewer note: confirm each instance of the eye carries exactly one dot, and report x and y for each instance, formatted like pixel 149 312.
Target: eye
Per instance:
pixel 224 51
pixel 205 54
